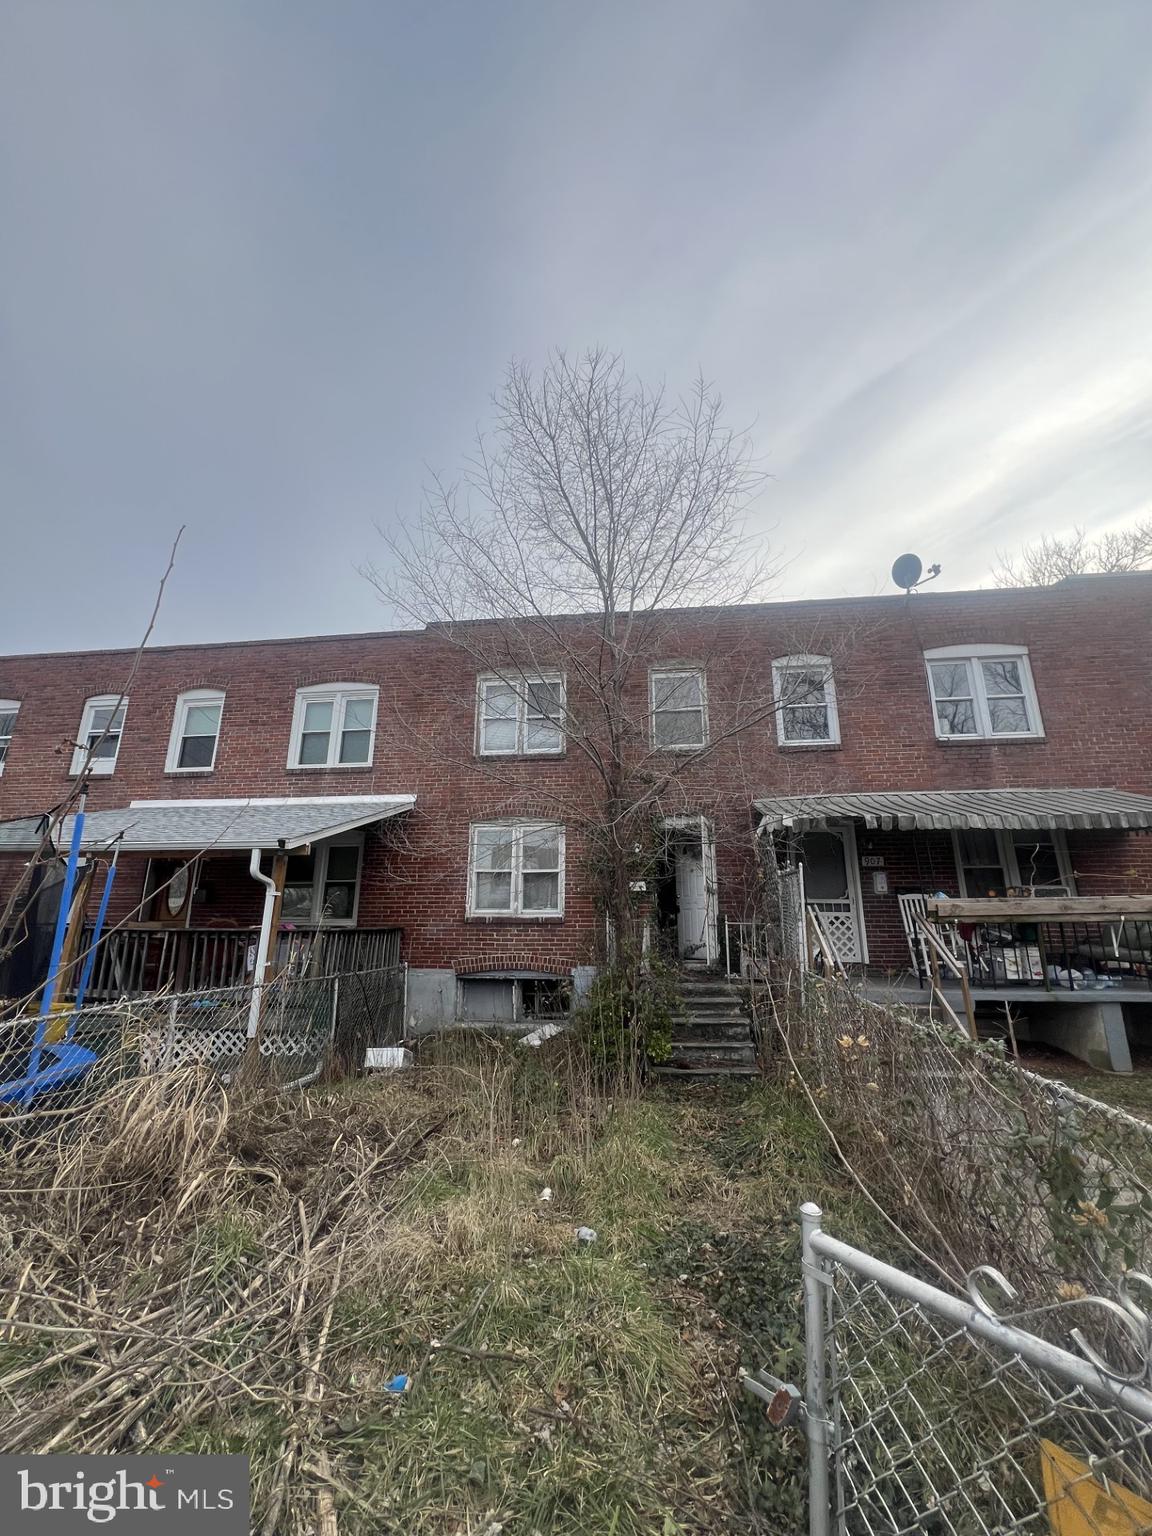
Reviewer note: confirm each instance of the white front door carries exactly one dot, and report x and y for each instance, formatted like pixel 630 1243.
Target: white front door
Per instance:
pixel 692 902
pixel 832 888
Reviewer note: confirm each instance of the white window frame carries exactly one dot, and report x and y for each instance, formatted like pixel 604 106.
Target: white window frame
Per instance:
pixel 339 695
pixel 7 707
pixel 516 909
pixel 658 673
pixel 320 852
pixel 493 680
pixel 781 667
pixel 193 698
pixel 973 656
pixel 98 765
pixel 1010 862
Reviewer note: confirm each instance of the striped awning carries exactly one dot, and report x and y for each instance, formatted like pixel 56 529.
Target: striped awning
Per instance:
pixel 915 810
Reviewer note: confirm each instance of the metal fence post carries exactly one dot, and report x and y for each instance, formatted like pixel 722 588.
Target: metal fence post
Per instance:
pixel 815 1277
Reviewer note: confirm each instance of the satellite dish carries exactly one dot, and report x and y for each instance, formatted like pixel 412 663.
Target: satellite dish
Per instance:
pixel 907 571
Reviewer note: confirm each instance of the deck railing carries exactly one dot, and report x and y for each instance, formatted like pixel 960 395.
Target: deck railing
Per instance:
pixel 137 962
pixel 1054 955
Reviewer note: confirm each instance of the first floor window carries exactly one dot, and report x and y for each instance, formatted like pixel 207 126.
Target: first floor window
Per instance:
pixel 195 731
pixel 521 717
pixel 517 869
pixel 334 727
pixel 679 713
pixel 321 886
pixel 101 726
pixel 991 863
pixel 985 692
pixel 805 701
pixel 9 708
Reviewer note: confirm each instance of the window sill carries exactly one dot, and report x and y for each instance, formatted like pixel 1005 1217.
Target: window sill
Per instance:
pixel 810 746
pixel 682 748
pixel 491 918
pixel 330 767
pixel 989 741
pixel 517 757
pixel 188 773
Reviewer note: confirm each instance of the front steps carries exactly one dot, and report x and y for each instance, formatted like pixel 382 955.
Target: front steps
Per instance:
pixel 711 1036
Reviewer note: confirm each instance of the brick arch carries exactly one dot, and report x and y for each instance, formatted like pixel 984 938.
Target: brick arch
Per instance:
pixel 511 960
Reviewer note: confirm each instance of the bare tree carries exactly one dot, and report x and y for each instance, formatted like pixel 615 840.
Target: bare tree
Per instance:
pixel 561 565
pixel 1056 556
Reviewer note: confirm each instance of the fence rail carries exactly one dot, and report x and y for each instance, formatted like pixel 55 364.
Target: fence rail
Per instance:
pixel 928 1412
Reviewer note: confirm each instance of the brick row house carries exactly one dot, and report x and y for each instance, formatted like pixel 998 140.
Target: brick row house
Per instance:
pixel 968 743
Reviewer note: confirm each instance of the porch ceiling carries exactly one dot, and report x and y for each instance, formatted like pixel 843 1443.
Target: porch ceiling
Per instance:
pixel 940 810
pixel 196 826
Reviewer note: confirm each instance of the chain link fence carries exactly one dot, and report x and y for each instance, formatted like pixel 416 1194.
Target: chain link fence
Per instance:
pixel 929 1412
pixel 283 1034
pixel 991 1407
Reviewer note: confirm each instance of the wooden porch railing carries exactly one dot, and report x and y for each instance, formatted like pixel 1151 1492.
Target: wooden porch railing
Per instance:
pixel 137 962
pixel 937 954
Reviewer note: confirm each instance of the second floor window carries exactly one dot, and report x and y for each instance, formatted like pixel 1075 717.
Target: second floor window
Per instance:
pixel 334 727
pixel 516 869
pixel 982 691
pixel 522 717
pixel 195 732
pixel 101 726
pixel 805 701
pixel 679 709
pixel 9 709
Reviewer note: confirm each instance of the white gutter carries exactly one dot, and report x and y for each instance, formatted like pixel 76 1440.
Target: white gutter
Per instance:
pixel 264 942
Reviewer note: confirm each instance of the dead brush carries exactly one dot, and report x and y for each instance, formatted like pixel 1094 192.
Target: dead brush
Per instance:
pixel 161 1284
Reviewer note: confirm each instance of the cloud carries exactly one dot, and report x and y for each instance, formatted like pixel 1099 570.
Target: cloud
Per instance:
pixel 263 264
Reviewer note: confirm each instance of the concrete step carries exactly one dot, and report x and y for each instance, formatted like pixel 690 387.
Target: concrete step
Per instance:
pixel 692 1002
pixel 712 1054
pixel 709 1043
pixel 705 1027
pixel 693 1074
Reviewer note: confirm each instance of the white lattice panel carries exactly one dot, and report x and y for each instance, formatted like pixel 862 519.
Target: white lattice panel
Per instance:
pixel 213 1046
pixel 840 926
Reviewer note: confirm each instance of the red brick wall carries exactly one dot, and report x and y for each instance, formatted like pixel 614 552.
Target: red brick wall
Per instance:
pixel 1089 646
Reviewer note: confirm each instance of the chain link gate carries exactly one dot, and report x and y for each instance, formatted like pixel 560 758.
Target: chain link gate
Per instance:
pixel 933 1414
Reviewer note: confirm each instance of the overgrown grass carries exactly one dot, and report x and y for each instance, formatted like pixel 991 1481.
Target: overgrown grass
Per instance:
pixel 398 1226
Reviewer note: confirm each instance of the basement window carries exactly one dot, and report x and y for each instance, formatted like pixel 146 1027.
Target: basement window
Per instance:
pixel 512 998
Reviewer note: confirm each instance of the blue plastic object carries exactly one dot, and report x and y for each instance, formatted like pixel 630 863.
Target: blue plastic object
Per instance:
pixel 397 1384
pixel 67 1061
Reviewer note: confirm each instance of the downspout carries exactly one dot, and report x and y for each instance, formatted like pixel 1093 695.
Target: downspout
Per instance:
pixel 265 940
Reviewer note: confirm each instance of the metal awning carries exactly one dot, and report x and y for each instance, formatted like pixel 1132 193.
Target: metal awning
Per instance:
pixel 206 826
pixel 918 810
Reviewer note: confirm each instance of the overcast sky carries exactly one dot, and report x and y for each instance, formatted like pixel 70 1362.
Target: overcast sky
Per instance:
pixel 263 261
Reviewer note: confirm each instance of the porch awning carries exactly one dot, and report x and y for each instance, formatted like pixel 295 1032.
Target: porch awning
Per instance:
pixel 206 826
pixel 915 810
